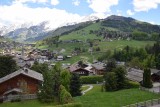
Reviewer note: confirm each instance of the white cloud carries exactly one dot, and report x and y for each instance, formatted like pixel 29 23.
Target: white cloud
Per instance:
pixel 18 13
pixel 34 1
pixel 76 2
pixel 54 2
pixel 145 5
pixel 129 12
pixel 101 6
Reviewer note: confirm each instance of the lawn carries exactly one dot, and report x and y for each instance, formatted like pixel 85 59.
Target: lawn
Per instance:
pixel 96 98
pixel 29 103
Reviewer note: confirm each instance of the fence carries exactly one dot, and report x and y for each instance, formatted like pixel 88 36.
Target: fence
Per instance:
pixel 21 97
pixel 148 103
pixel 155 90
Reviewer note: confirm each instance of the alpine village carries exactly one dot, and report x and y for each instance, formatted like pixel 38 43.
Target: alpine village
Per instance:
pixel 103 62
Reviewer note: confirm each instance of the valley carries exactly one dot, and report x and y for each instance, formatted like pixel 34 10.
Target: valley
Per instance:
pixel 119 57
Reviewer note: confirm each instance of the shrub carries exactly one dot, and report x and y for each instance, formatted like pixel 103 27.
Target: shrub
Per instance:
pixel 110 81
pixel 16 100
pixel 65 96
pixel 132 84
pixel 1 100
pixel 70 105
pixel 91 79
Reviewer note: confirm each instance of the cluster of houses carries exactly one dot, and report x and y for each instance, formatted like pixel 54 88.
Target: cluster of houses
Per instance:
pixel 26 81
pixel 137 75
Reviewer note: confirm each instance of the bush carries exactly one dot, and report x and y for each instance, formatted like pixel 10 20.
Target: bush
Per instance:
pixel 16 100
pixel 65 96
pixel 132 84
pixel 71 105
pixel 91 79
pixel 1 100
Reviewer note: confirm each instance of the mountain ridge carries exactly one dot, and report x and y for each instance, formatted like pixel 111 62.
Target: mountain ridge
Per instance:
pixel 39 32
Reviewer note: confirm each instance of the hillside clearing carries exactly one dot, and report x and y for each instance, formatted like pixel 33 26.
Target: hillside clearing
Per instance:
pixel 96 98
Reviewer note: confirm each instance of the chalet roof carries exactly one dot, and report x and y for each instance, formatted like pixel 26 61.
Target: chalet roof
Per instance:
pixel 25 71
pixel 99 66
pixel 75 68
pixel 135 74
pixel 155 71
pixel 88 68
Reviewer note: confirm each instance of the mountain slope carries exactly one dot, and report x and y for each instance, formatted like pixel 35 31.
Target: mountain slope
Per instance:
pixel 127 24
pixel 59 31
pixel 111 23
pixel 114 25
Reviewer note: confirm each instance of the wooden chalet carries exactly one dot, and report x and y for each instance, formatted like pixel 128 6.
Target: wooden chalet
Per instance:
pixel 137 75
pixel 98 68
pixel 23 81
pixel 79 70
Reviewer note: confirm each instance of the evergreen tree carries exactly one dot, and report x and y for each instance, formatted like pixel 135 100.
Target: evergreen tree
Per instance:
pixel 7 65
pixel 110 81
pixel 65 96
pixel 158 61
pixel 75 85
pixel 111 64
pixel 65 79
pixel 56 79
pixel 147 78
pixel 120 73
pixel 38 67
pixel 46 92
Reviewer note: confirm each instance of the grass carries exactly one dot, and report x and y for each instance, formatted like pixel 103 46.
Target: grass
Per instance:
pixel 104 46
pixel 96 98
pixel 29 103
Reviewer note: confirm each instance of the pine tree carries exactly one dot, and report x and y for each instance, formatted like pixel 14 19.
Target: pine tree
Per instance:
pixel 111 64
pixel 147 78
pixel 65 96
pixel 56 78
pixel 158 61
pixel 65 79
pixel 110 81
pixel 46 92
pixel 7 65
pixel 75 85
pixel 121 78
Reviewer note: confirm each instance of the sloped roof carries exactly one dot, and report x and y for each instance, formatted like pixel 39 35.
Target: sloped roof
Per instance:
pixel 135 75
pixel 155 71
pixel 75 68
pixel 25 71
pixel 99 66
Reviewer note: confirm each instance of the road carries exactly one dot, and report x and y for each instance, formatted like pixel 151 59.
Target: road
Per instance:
pixel 90 87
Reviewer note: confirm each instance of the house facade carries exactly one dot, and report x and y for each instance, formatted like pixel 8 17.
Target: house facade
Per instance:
pixel 79 70
pixel 23 81
pixel 98 68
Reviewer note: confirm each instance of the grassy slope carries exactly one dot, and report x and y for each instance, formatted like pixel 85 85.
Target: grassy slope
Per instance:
pixel 69 47
pixel 29 103
pixel 96 98
pixel 79 34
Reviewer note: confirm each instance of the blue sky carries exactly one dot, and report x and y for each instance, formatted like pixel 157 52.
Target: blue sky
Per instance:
pixel 59 12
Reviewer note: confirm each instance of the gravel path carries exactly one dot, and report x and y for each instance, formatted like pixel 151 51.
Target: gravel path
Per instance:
pixel 90 87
